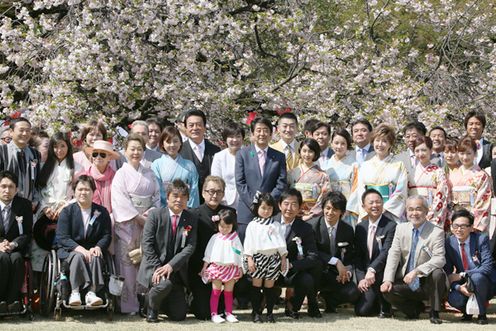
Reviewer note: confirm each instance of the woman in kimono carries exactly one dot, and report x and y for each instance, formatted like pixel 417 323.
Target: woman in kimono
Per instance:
pixel 173 166
pixel 384 173
pixel 55 186
pixel 134 192
pixel 101 154
pixel 342 168
pixel 91 132
pixel 309 179
pixel 429 181
pixel 471 186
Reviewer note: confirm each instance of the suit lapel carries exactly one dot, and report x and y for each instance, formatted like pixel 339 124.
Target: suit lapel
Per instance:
pixel 255 167
pixel 378 232
pixel 324 233
pixel 91 227
pixel 179 232
pixel 454 244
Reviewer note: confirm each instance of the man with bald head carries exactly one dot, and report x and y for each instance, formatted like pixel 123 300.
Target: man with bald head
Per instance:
pixel 414 267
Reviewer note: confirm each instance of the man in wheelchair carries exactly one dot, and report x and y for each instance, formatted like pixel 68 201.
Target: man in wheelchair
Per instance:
pixel 83 234
pixel 16 219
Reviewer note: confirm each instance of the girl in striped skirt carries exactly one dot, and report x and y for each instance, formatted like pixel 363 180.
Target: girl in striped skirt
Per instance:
pixel 223 263
pixel 265 252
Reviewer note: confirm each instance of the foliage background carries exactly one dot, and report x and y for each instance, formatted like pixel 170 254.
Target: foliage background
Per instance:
pixel 388 60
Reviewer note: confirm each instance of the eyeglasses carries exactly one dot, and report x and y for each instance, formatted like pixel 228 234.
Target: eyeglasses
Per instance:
pixel 6 139
pixel 460 226
pixel 102 154
pixel 214 192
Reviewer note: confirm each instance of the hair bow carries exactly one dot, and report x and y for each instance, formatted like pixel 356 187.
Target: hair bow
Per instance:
pixel 215 218
pixel 257 197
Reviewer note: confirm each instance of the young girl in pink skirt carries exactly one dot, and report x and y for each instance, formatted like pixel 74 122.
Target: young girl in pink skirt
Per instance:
pixel 223 264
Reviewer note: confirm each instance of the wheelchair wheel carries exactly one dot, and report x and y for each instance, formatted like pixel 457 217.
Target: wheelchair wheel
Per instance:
pixel 48 283
pixel 111 299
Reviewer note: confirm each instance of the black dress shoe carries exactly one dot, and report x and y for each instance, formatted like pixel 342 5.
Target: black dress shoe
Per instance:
pixel 152 316
pixel 384 314
pixel 293 314
pixel 270 318
pixel 435 319
pixel 482 320
pixel 15 307
pixel 3 307
pixel 257 318
pixel 315 313
pixel 466 318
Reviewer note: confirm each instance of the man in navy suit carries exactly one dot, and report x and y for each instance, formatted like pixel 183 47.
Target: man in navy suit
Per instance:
pixel 16 219
pixel 258 168
pixel 169 240
pixel 361 131
pixel 197 149
pixel 373 238
pixel 321 132
pixel 468 257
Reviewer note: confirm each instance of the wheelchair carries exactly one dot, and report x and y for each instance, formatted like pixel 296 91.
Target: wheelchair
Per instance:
pixel 26 294
pixel 55 288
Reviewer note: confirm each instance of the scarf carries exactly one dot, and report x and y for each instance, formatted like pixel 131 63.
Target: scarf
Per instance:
pixel 103 183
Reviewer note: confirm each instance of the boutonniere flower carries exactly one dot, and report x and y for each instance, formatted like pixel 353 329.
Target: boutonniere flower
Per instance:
pixel 94 217
pixel 379 240
pixel 299 247
pixel 475 258
pixel 252 154
pixel 186 230
pixel 215 218
pixel 19 220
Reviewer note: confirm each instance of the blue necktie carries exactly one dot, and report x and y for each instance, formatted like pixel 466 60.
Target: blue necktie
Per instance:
pixel 411 260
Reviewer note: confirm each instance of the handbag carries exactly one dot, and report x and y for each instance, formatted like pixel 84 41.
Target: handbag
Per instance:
pixel 116 283
pixel 135 255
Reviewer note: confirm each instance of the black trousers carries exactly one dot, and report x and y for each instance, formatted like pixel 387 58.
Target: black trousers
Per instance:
pixel 432 287
pixel 11 276
pixel 335 293
pixel 372 302
pixel 168 297
pixel 305 284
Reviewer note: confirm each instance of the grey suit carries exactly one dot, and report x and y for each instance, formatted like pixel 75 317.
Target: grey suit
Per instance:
pixel 429 263
pixel 160 247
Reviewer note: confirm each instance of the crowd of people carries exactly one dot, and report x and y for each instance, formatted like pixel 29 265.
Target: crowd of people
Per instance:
pixel 339 213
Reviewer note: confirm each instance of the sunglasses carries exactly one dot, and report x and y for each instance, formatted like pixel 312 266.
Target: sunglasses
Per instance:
pixel 101 154
pixel 6 139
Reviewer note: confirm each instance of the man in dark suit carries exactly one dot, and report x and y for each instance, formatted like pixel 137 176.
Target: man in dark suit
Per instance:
pixel 373 238
pixel 322 134
pixel 169 239
pixel 411 132
pixel 475 122
pixel 198 149
pixel 335 243
pixel 258 168
pixel 303 262
pixel 413 271
pixel 16 219
pixel 22 160
pixel 361 131
pixel 468 257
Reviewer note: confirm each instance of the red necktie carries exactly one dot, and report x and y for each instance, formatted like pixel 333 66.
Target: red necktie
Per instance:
pixel 174 224
pixel 464 257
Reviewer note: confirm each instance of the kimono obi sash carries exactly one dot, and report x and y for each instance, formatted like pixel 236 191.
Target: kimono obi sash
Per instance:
pixel 141 203
pixel 425 191
pixel 310 192
pixel 386 190
pixel 463 196
pixel 343 186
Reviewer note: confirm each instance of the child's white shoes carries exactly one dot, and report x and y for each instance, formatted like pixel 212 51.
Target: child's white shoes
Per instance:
pixel 218 319
pixel 231 318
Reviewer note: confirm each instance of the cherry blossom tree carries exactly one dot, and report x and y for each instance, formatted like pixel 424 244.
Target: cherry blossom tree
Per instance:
pixel 393 61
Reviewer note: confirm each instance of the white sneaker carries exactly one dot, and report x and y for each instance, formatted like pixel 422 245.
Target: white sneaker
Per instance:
pixel 231 318
pixel 92 300
pixel 217 319
pixel 75 299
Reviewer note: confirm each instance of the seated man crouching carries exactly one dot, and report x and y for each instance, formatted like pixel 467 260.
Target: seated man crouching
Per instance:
pixel 16 219
pixel 169 239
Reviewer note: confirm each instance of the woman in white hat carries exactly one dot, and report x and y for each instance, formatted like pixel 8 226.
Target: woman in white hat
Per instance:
pixel 101 153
